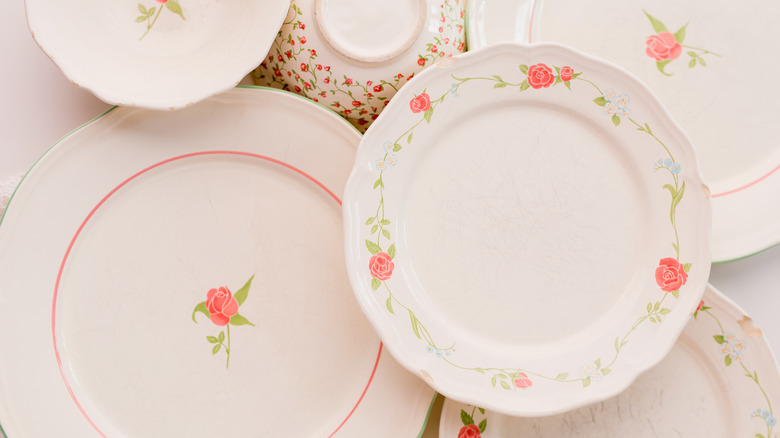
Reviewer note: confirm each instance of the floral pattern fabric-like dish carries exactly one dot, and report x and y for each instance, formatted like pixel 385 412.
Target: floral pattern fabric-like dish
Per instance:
pixel 453 213
pixel 304 62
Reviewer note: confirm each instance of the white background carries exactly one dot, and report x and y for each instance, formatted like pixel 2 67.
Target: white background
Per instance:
pixel 39 105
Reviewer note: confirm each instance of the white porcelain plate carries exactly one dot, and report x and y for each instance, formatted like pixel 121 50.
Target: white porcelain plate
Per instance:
pixel 706 61
pixel 719 381
pixel 524 221
pixel 160 54
pixel 181 274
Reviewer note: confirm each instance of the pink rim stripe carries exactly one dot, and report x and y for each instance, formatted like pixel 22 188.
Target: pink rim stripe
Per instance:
pixel 531 22
pixel 116 189
pixel 748 184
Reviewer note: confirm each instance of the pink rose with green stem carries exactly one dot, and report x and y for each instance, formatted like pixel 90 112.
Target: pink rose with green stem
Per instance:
pixel 420 103
pixel 665 46
pixel 221 307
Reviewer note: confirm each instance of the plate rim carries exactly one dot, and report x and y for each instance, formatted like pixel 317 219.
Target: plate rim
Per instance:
pixel 726 305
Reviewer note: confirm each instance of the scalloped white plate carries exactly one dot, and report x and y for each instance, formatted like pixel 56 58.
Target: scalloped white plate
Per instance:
pixel 158 54
pixel 527 228
pixel 708 71
pixel 719 381
pixel 112 255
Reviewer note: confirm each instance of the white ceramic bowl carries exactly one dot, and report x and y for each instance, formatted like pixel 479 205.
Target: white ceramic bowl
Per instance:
pixel 353 55
pixel 158 54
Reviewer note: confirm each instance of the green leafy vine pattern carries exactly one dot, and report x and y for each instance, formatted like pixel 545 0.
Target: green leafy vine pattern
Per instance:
pixel 670 274
pixel 732 350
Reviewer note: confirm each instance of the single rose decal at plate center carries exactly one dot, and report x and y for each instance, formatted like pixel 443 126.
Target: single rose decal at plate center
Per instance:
pixel 150 15
pixel 221 307
pixel 666 46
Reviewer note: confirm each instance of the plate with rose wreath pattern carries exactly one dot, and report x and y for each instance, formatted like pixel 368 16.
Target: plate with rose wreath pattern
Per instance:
pixel 181 274
pixel 523 220
pixel 719 381
pixel 707 61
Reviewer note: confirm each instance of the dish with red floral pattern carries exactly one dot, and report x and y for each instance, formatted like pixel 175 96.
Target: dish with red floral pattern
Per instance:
pixel 527 228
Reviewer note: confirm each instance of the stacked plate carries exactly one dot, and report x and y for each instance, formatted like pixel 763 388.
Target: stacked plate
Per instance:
pixel 523 228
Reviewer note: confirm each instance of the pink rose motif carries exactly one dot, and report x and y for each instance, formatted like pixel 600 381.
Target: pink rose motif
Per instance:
pixel 319 66
pixel 303 40
pixel 460 46
pixel 663 46
pixel 313 52
pixel 304 67
pixel 566 73
pixel 356 103
pixel 221 305
pixel 307 85
pixel 421 62
pixel 302 26
pixel 540 75
pixel 326 80
pixel 670 275
pixel 701 303
pixel 420 103
pixel 522 381
pixel 162 1
pixel 368 83
pixel 470 431
pixel 377 88
pixel 277 72
pixel 279 57
pixel 381 265
pixel 433 48
pixel 348 81
pixel 441 30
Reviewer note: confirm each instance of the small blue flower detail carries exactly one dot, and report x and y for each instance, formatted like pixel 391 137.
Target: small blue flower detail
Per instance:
pixel 771 421
pixel 430 348
pixel 668 162
pixel 454 89
pixel 675 168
